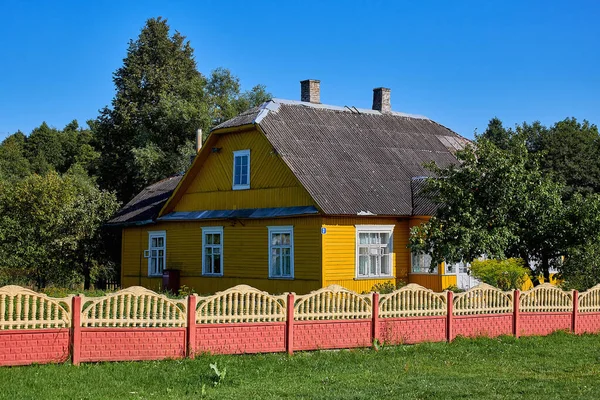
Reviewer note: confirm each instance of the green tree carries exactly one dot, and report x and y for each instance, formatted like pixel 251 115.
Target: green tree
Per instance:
pixel 13 163
pixel 49 227
pixel 159 104
pixel 499 203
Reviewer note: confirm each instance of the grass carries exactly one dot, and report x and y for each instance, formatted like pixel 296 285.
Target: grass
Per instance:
pixel 556 366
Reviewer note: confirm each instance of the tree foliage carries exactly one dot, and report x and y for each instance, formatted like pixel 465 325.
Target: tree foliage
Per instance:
pixel 49 227
pixel 500 203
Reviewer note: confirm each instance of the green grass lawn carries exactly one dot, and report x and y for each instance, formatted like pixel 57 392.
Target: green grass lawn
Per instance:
pixel 557 366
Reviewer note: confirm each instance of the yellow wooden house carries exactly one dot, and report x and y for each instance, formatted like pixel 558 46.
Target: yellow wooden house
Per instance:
pixel 293 196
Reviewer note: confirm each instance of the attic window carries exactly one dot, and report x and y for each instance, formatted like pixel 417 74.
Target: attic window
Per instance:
pixel 241 170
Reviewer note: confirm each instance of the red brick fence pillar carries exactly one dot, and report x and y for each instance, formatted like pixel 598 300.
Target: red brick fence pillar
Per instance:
pixel 449 316
pixel 516 301
pixel 375 319
pixel 575 311
pixel 76 330
pixel 191 327
pixel 289 331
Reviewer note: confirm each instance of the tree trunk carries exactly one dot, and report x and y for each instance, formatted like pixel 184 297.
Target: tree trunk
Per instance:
pixel 546 267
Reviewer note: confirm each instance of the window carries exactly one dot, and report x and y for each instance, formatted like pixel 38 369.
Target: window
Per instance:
pixel 241 169
pixel 374 251
pixel 281 252
pixel 421 264
pixel 212 251
pixel 156 253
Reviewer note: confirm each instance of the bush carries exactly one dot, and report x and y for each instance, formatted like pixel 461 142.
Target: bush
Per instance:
pixel 503 274
pixel 387 287
pixel 581 269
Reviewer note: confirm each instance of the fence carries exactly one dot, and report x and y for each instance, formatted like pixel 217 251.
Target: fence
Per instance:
pixel 138 324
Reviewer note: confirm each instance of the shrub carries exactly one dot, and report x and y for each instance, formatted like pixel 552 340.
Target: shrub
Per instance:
pixel 503 274
pixel 387 287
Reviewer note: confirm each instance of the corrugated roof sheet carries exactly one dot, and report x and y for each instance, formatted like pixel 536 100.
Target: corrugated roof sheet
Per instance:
pixel 144 207
pixel 357 162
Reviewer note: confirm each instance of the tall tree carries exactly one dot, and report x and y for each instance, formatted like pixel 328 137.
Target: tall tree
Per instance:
pixel 161 100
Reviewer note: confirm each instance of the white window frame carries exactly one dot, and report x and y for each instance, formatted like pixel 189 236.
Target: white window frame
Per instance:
pixel 241 153
pixel 281 229
pixel 148 253
pixel 425 269
pixel 211 230
pixel 389 229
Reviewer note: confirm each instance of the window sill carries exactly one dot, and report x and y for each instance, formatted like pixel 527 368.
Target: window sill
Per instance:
pixel 155 276
pixel 435 273
pixel 240 187
pixel 282 278
pixel 371 278
pixel 212 275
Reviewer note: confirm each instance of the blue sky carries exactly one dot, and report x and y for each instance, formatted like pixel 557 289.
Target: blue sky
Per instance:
pixel 459 63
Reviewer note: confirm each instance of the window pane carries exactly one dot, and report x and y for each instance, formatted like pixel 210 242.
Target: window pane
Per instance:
pixel 154 253
pixel 363 264
pixel 363 250
pixel 161 262
pixel 161 253
pixel 244 179
pixel 161 242
pixel 374 262
pixel 217 264
pixel 153 265
pixel 285 239
pixel 385 238
pixel 276 239
pixel 216 250
pixel 385 265
pixel 217 238
pixel 154 242
pixel 244 161
pixel 374 238
pixel 363 238
pixel 208 250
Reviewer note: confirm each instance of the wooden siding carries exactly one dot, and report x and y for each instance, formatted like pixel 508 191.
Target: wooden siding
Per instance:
pixel 272 184
pixel 339 251
pixel 245 255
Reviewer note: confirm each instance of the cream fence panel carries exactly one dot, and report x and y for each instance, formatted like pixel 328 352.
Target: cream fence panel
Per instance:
pixel 412 301
pixel 333 302
pixel 133 307
pixel 589 301
pixel 483 299
pixel 546 298
pixel 22 308
pixel 241 303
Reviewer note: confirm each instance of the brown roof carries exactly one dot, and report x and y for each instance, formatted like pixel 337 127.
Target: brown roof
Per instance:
pixel 352 161
pixel 144 207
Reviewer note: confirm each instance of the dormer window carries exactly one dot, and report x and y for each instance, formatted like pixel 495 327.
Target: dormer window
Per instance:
pixel 241 169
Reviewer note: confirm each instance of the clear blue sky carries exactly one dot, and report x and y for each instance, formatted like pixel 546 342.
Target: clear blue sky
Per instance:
pixel 457 62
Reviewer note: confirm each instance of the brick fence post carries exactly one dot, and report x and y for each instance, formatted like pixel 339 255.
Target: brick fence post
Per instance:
pixel 375 319
pixel 449 316
pixel 289 331
pixel 191 326
pixel 575 311
pixel 516 312
pixel 76 330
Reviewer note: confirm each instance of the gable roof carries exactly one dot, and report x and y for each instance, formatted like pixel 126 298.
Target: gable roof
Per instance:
pixel 144 207
pixel 353 161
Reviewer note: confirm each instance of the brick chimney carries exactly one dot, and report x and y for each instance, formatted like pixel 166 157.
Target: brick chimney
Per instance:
pixel 310 91
pixel 381 100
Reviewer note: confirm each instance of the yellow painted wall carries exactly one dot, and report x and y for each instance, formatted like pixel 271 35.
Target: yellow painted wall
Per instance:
pixel 245 255
pixel 272 184
pixel 339 251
